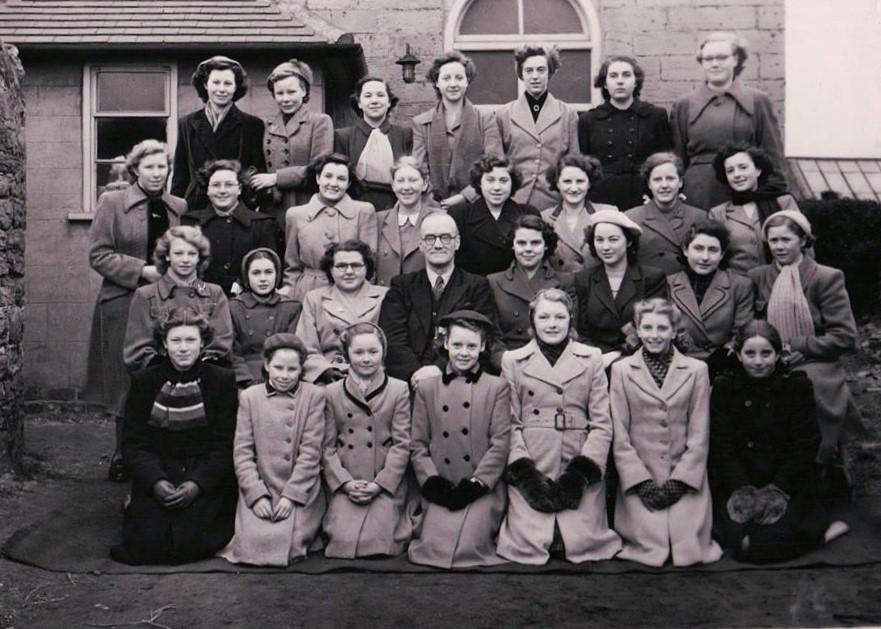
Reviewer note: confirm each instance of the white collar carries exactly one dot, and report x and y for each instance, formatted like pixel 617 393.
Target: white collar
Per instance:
pixel 432 277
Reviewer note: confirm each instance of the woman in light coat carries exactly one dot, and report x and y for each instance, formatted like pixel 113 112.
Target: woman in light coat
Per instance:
pixel 366 453
pixel 537 129
pixel 560 437
pixel 661 410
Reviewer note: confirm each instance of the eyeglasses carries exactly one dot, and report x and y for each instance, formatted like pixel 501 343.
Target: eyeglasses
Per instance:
pixel 430 239
pixel 342 266
pixel 222 185
pixel 717 58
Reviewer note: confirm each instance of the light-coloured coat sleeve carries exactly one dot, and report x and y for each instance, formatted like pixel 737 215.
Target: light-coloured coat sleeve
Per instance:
pixel 245 455
pixel 307 466
pixel 293 269
pixel 630 467
pixel 321 144
pixel 420 453
pixel 492 464
pixel 692 466
pixel 335 473
pixel 398 456
pixel 599 421
pixel 368 227
pixel 307 330
pixel 511 375
pixel 829 296
pixel 104 255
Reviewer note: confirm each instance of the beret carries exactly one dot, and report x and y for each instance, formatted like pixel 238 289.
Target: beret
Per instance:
pixel 616 218
pixel 283 340
pixel 465 315
pixel 795 216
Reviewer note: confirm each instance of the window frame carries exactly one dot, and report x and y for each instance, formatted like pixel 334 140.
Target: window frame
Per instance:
pixel 90 116
pixel 568 41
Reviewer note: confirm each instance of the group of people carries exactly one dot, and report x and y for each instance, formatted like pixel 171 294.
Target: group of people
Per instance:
pixel 459 346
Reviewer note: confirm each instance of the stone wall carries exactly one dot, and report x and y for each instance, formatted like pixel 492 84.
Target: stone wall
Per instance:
pixel 12 244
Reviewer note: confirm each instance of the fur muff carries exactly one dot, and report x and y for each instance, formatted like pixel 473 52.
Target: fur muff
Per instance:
pixel 438 490
pixel 770 504
pixel 652 496
pixel 466 492
pixel 741 504
pixel 539 491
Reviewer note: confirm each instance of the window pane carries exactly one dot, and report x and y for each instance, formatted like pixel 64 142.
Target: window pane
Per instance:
pixel 572 82
pixel 116 136
pixel 131 91
pixel 496 80
pixel 550 16
pixel 110 176
pixel 490 17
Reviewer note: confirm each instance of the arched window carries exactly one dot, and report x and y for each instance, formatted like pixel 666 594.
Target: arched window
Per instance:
pixel 488 31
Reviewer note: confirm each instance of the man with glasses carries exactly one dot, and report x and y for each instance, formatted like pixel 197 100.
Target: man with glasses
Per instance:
pixel 416 301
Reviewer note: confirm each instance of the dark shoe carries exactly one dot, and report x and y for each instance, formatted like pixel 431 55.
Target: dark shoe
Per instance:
pixel 117 472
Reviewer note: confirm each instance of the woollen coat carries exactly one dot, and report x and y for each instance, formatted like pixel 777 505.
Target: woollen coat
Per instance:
pixel 201 454
pixel 350 141
pixel 604 321
pixel 533 146
pixel 313 227
pixel 277 454
pixel 367 438
pixel 118 252
pixel 663 433
pixel 289 148
pixel 326 314
pixel 622 140
pixel 153 302
pixel 512 292
pixel 237 137
pixel 461 430
pixel 703 122
pixel 392 256
pixel 253 321
pixel 663 233
pixel 485 242
pixel 726 307
pixel 746 246
pixel 835 334
pixel 576 388
pixel 450 162
pixel 572 252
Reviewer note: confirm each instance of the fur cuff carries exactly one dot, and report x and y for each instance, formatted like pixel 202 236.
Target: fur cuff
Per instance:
pixel 466 492
pixel 438 490
pixel 539 491
pixel 571 485
pixel 589 471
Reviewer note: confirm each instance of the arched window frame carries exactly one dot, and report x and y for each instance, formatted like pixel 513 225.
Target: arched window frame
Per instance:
pixel 589 21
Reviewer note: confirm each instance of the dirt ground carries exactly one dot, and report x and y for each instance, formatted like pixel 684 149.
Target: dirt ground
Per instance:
pixel 66 451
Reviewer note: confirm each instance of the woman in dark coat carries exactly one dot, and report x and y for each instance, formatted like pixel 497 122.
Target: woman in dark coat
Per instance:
pixel 124 232
pixel 179 426
pixel 373 143
pixel 230 226
pixel 218 131
pixel 622 132
pixel 486 226
pixel 763 445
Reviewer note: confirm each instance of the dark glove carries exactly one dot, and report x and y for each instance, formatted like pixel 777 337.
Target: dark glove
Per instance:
pixel 467 491
pixel 652 496
pixel 580 472
pixel 539 491
pixel 674 490
pixel 438 490
pixel 741 505
pixel 770 504
pixel 329 376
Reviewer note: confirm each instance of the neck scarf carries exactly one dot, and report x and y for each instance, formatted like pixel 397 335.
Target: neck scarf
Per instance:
pixel 765 198
pixel 178 406
pixel 788 308
pixel 699 283
pixel 658 365
pixel 157 221
pixel 377 159
pixel 535 104
pixel 469 376
pixel 552 352
pixel 216 116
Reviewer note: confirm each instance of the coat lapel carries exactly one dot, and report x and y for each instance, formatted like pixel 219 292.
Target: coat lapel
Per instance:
pixel 549 115
pixel 658 223
pixel 230 124
pixel 630 287
pixel 640 376
pixel 683 296
pixel 452 295
pixel 521 116
pixel 202 130
pixel 603 290
pixel 391 232
pixel 717 294
pixel 421 297
pixel 517 284
pixel 677 376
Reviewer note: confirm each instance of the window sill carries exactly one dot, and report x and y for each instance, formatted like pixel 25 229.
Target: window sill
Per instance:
pixel 80 216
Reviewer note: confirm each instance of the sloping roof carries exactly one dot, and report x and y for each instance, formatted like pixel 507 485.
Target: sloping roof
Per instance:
pixel 152 23
pixel 853 178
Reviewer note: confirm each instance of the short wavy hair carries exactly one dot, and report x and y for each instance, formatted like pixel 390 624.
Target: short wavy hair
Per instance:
pixel 363 327
pixel 631 238
pixel 738 48
pixel 781 220
pixel 188 233
pixel 555 295
pixel 317 165
pixel 713 229
pixel 207 171
pixel 590 165
pixel 660 306
pixel 219 62
pixel 602 74
pixel 291 67
pixel 758 156
pixel 536 223
pixel 450 56
pixel 359 87
pixel 144 149
pixel 405 161
pixel 178 317
pixel 526 51
pixel 356 246
pixel 485 165
pixel 659 159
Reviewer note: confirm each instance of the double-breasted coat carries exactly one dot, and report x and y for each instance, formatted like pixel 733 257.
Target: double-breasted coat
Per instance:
pixel 200 453
pixel 726 307
pixel 533 146
pixel 311 228
pixel 118 250
pixel 764 431
pixel 461 430
pixel 835 334
pixel 367 437
pixel 572 252
pixel 254 321
pixel 603 320
pixel 622 139
pixel 409 317
pixel 449 162
pixel 231 238
pixel 703 122
pixel 153 302
pixel 289 148
pixel 663 433
pixel 392 256
pixel 238 137
pixel 558 412
pixel 746 245
pixel 512 292
pixel 485 242
pixel 326 314
pixel 663 233
pixel 277 454
pixel 350 141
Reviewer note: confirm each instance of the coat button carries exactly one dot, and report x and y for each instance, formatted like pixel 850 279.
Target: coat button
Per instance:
pixel 559 391
pixel 445 408
pixel 464 431
pixel 445 433
pixel 370 429
pixel 447 461
pixel 750 444
pixel 349 415
pixel 351 430
pixel 531 392
pixel 516 314
pixel 288 440
pixel 369 444
pixel 536 412
pixel 351 447
pixel 466 404
pixel 663 406
pixel 466 458
pixel 287 457
pixel 748 403
pixel 664 424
